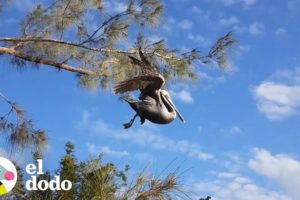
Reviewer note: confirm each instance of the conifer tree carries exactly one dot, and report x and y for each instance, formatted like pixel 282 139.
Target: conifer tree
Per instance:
pixel 84 37
pixel 40 194
pixel 95 180
pixel 101 181
pixel 69 171
pixel 19 191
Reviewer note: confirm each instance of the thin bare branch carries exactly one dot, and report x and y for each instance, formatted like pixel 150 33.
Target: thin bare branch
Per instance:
pixel 84 47
pixel 38 60
pixel 103 25
pixel 62 19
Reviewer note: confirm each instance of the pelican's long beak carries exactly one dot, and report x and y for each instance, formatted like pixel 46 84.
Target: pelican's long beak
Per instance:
pixel 176 110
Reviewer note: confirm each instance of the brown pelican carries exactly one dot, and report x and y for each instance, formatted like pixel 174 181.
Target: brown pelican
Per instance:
pixel 154 104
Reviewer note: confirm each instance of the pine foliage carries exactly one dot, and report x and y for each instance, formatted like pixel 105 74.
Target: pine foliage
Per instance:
pixel 86 34
pixel 95 180
pixel 20 133
pixel 68 171
pixel 85 37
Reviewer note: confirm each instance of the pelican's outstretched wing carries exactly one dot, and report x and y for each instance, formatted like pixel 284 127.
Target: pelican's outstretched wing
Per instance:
pixel 150 78
pixel 146 67
pixel 139 83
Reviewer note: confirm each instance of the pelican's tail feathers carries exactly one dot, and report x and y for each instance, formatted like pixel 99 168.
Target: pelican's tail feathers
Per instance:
pixel 127 97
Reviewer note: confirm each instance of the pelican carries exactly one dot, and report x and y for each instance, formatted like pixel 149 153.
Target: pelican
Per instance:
pixel 154 103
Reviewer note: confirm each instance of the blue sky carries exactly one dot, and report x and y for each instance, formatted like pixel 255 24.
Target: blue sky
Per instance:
pixel 241 136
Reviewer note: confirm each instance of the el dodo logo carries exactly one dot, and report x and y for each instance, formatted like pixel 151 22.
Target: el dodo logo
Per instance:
pixel 35 184
pixel 8 176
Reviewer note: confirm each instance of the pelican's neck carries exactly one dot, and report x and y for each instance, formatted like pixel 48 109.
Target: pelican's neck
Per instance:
pixel 166 103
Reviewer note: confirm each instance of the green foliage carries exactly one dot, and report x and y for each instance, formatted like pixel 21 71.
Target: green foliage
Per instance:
pixel 20 132
pixel 19 191
pixel 95 180
pixel 101 181
pixel 150 187
pixel 67 19
pixel 39 194
pixel 69 171
pixel 84 37
pixel 87 34
pixel 218 51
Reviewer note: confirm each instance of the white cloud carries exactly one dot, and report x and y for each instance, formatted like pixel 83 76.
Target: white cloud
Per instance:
pixel 276 100
pixel 229 2
pixel 16 157
pixel 227 175
pixel 25 5
pixel 282 169
pixel 181 92
pixel 287 76
pixel 185 24
pixel 144 137
pixel 281 32
pixel 196 38
pixel 257 29
pixel 279 97
pixel 155 38
pixel 168 24
pixel 244 2
pixel 199 129
pixel 293 6
pixel 230 186
pixel 235 130
pixel 211 81
pixel 233 162
pixel 244 48
pixel 94 149
pixel 3 153
pixel 229 21
pixel 199 39
pixel 182 95
pixel 235 184
pixel 249 2
pixel 202 14
pixel 282 173
pixel 119 7
pixel 115 6
pixel 144 157
pixel 240 29
pixel 196 9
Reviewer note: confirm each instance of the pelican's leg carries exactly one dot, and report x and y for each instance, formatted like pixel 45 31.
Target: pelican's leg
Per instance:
pixel 143 120
pixel 129 124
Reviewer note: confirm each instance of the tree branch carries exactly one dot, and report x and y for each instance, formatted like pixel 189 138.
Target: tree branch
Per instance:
pixel 62 19
pixel 100 27
pixel 82 46
pixel 38 60
pixel 5 99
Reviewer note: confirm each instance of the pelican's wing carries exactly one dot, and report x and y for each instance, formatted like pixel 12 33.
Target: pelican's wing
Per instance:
pixel 139 83
pixel 146 67
pixel 135 61
pixel 150 77
pixel 143 58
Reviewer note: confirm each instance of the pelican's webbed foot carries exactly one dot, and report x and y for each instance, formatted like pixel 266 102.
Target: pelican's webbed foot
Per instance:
pixel 129 124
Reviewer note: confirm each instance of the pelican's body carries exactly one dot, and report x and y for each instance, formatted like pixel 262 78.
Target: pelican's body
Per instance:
pixel 154 104
pixel 155 109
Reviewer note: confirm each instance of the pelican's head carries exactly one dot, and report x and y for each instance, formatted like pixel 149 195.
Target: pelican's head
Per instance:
pixel 167 98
